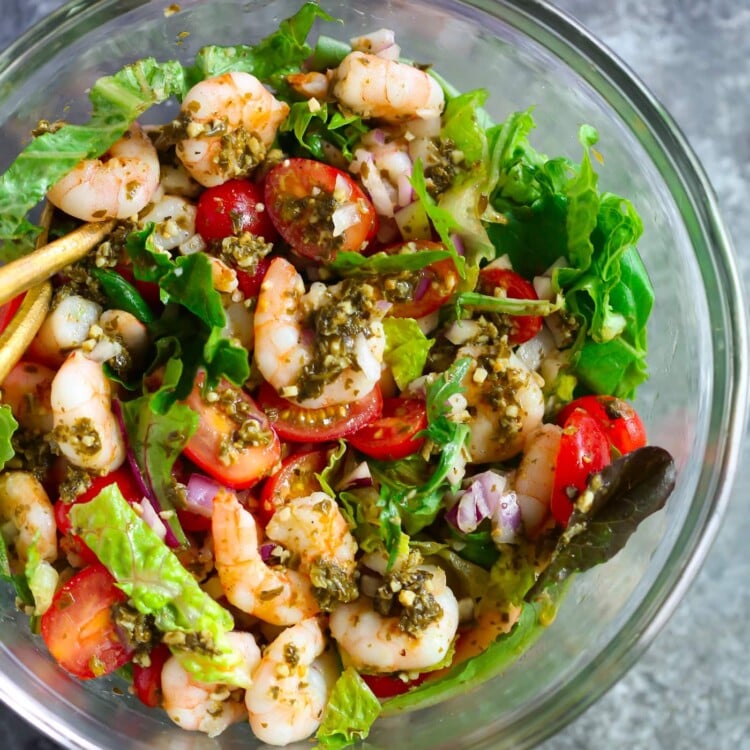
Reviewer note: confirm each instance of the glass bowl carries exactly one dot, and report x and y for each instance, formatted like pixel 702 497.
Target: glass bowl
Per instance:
pixel 525 53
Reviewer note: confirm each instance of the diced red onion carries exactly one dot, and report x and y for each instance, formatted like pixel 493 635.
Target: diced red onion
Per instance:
pixel 422 286
pixel 382 194
pixel 366 360
pixel 201 491
pixel 405 190
pixel 266 551
pixel 506 519
pixel 344 217
pixel 391 52
pixel 374 42
pixel 152 518
pixel 359 476
pixel 458 244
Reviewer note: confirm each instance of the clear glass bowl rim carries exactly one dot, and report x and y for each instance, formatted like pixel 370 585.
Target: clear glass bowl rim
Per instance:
pixel 574 44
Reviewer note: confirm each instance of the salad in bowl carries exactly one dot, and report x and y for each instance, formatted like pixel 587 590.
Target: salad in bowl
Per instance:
pixel 336 398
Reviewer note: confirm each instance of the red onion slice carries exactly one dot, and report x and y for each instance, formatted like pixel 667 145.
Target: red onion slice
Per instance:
pixel 201 491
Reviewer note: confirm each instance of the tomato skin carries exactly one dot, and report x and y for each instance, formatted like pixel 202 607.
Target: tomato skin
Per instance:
pixel 295 478
pixel 252 464
pixel 387 686
pixel 394 434
pixel 249 283
pixel 147 680
pixel 9 310
pixel 79 629
pixel 288 187
pixel 618 419
pixel 584 450
pixel 233 207
pixel 524 327
pixel 129 488
pixel 299 425
pixel 438 281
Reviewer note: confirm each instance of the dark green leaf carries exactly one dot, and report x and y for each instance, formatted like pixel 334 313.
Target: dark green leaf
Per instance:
pixel 607 513
pixel 122 295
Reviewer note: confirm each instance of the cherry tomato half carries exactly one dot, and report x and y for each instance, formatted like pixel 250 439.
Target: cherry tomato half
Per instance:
pixel 394 434
pixel 306 199
pixel 584 450
pixel 249 283
pixel 618 419
pixel 233 207
pixel 216 427
pixel 79 629
pixel 523 327
pixel 295 478
pixel 387 686
pixel 129 488
pixel 433 286
pixel 147 680
pixel 9 309
pixel 300 425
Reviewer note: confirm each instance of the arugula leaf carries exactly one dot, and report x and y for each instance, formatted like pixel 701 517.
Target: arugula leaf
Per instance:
pixel 156 437
pixel 158 585
pixel 122 295
pixel 607 513
pixel 505 305
pixel 117 101
pixel 18 580
pixel 350 712
pixel 274 57
pixel 8 426
pixel 406 349
pixel 314 128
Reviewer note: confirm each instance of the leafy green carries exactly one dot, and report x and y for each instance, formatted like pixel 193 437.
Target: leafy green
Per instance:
pixel 158 585
pixel 157 436
pixel 554 214
pixel 505 305
pixel 406 349
pixel 280 53
pixel 41 578
pixel 117 101
pixel 313 129
pixel 513 573
pixel 122 295
pixel 351 709
pixel 472 672
pixel 328 53
pixel 8 426
pixel 18 580
pixel 462 126
pixel 608 511
pixel 381 263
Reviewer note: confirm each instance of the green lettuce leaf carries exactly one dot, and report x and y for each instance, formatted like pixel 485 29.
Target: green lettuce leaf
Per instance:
pixel 17 580
pixel 350 712
pixel 8 426
pixel 158 585
pixel 117 101
pixel 157 437
pixel 280 53
pixel 406 349
pixel 313 129
pixel 381 263
pixel 42 580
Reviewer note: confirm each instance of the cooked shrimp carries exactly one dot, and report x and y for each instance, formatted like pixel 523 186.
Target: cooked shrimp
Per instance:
pixel 316 530
pixel 291 685
pixel 85 429
pixel 505 402
pixel 313 85
pixel 284 347
pixel 204 707
pixel 372 86
pixel 173 218
pixel 116 186
pixel 27 515
pixel 26 389
pixel 275 595
pixel 535 475
pixel 65 328
pixel 377 643
pixel 118 337
pixel 231 120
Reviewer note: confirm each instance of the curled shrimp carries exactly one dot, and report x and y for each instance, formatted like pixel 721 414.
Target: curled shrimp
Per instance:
pixel 291 685
pixel 119 338
pixel 27 515
pixel 204 707
pixel 85 429
pixel 284 347
pixel 65 328
pixel 372 86
pixel 378 643
pixel 316 530
pixel 277 596
pixel 230 122
pixel 535 476
pixel 26 389
pixel 505 403
pixel 116 186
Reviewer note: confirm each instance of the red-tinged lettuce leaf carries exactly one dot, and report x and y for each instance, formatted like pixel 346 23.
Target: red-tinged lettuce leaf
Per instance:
pixel 607 513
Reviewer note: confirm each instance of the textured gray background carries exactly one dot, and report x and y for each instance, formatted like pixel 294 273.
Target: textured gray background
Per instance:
pixel 691 690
